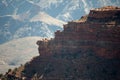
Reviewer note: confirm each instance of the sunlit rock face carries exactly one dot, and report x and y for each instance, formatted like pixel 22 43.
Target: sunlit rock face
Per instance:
pixel 99 31
pixel 87 49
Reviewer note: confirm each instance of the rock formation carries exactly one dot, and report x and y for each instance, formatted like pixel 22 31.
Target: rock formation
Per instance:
pixel 87 49
pixel 99 30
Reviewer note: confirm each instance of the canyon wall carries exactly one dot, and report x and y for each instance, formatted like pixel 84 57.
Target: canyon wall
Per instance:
pixel 101 35
pixel 86 49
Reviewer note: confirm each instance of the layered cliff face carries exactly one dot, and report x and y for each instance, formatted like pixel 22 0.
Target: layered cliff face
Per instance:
pixel 87 49
pixel 99 30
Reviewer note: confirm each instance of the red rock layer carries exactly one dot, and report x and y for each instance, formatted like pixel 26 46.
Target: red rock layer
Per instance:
pixel 102 36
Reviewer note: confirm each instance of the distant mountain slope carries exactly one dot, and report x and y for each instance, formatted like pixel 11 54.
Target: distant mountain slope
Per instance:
pixel 42 25
pixel 43 17
pixel 16 52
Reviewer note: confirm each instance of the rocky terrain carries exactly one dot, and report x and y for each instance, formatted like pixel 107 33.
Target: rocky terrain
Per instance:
pixel 86 49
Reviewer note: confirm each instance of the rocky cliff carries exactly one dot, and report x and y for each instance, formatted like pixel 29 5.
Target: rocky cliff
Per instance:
pixel 87 49
pixel 98 31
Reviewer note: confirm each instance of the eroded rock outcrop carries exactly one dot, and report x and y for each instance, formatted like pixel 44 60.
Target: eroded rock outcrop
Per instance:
pixel 100 31
pixel 87 49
